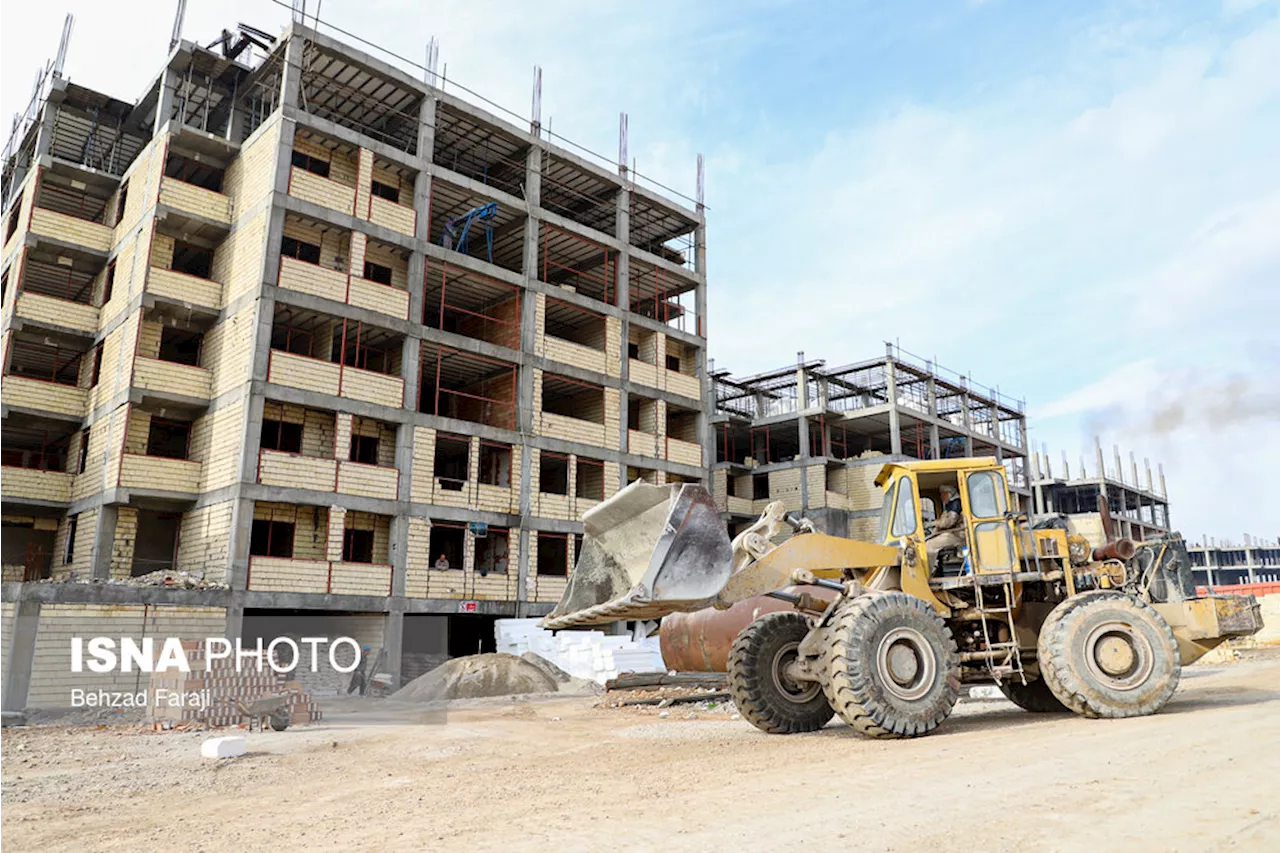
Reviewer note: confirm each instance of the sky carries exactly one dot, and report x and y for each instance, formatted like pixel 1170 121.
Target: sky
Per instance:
pixel 1078 203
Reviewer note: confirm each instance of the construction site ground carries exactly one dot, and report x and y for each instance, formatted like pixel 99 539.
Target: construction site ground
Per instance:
pixel 579 774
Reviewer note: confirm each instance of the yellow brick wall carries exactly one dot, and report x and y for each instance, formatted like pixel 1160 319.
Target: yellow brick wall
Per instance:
pixel 251 175
pixel 237 262
pixel 117 363
pixel 335 245
pixel 204 537
pixel 86 527
pixel 215 443
pixel 52 679
pixel 311 527
pixel 381 527
pixel 380 254
pixel 139 428
pixel 343 168
pixel 785 486
pixel 122 544
pixel 228 351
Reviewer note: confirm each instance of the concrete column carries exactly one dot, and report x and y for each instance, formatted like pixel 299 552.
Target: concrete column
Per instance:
pixel 393 645
pixel 291 73
pixel 103 539
pixel 528 336
pixel 895 417
pixel 935 443
pixel 705 435
pixel 995 432
pixel 169 81
pixel 235 617
pixel 622 219
pixel 968 424
pixel 522 570
pixel 238 553
pixel 20 653
pixel 802 425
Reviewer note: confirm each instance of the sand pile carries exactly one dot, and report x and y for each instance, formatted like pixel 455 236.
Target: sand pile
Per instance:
pixel 477 676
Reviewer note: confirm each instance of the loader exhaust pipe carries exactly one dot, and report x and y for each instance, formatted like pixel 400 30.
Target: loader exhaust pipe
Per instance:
pixel 1120 549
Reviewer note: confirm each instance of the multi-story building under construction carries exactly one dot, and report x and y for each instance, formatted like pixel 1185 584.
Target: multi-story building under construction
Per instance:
pixel 351 350
pixel 815 437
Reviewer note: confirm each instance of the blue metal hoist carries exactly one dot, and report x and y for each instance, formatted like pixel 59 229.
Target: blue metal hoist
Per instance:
pixel 458 229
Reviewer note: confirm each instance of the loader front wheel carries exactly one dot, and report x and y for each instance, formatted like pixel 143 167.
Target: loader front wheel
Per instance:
pixel 1108 654
pixel 765 695
pixel 891 665
pixel 1034 696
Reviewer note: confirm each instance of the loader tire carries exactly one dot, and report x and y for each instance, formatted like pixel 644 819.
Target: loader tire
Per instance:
pixel 765 697
pixel 1034 696
pixel 1108 654
pixel 891 666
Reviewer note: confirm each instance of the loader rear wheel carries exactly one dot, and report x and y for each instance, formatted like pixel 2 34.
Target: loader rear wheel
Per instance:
pixel 1108 654
pixel 891 665
pixel 1034 696
pixel 758 681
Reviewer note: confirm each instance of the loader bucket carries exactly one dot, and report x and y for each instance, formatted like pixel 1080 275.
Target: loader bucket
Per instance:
pixel 647 551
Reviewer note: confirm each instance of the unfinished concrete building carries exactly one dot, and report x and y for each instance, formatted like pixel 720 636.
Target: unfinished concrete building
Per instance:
pixel 1139 508
pixel 353 350
pixel 814 437
pixel 1254 560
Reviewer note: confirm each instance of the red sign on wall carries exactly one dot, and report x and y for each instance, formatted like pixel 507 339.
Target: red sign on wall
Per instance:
pixel 468 607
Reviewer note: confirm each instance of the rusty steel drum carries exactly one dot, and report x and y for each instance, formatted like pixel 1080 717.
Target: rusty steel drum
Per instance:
pixel 700 641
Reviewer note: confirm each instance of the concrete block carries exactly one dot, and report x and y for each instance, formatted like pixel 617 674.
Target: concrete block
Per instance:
pixel 222 747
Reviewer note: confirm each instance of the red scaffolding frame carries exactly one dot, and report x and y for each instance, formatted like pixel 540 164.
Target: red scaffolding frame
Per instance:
pixel 443 305
pixel 608 280
pixel 510 403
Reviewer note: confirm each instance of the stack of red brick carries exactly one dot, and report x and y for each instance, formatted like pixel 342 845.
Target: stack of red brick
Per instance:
pixel 208 691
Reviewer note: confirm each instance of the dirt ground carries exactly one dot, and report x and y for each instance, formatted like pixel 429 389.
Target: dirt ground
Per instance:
pixel 571 774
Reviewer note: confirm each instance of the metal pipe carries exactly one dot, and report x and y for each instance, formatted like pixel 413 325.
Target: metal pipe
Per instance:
pixel 1120 549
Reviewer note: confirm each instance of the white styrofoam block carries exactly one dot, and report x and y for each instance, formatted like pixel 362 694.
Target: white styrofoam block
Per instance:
pixel 222 747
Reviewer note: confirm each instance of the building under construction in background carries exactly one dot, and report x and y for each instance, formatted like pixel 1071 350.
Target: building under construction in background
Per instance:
pixel 1139 507
pixel 1215 563
pixel 815 437
pixel 350 348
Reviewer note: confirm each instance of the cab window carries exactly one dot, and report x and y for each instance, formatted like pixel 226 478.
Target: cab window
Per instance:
pixel 904 515
pixel 886 512
pixel 986 495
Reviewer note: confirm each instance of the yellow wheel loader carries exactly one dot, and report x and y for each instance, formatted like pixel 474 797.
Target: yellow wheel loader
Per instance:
pixel 958 589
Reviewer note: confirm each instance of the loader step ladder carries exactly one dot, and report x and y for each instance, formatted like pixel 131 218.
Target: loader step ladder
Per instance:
pixel 1003 659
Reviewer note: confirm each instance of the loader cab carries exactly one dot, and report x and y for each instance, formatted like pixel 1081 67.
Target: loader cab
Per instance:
pixel 914 505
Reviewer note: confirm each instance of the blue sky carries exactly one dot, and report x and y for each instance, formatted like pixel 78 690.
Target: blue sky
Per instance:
pixel 1079 203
